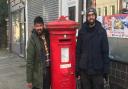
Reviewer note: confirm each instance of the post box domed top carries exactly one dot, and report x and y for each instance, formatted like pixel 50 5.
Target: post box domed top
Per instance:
pixel 62 22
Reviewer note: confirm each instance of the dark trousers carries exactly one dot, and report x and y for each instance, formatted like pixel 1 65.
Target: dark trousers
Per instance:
pixel 46 80
pixel 91 81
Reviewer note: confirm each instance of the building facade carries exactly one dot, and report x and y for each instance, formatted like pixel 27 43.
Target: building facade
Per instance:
pixel 107 7
pixel 111 7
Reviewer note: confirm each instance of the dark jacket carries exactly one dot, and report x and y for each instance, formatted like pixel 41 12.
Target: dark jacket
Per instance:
pixel 36 66
pixel 92 50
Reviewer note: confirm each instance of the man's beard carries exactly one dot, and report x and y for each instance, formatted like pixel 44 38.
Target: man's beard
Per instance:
pixel 39 32
pixel 91 23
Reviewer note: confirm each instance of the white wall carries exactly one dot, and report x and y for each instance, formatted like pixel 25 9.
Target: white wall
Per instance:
pixel 65 4
pixel 63 8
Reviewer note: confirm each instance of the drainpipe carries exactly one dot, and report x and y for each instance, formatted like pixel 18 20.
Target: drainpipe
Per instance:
pixel 60 8
pixel 81 3
pixel 26 25
pixel 94 2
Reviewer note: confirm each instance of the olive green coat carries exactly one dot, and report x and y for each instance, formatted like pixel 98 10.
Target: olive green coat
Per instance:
pixel 35 67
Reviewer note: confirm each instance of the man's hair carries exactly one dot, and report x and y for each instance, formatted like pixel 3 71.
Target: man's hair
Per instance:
pixel 38 19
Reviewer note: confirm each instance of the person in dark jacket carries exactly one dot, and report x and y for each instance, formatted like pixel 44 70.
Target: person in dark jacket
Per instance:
pixel 92 53
pixel 38 67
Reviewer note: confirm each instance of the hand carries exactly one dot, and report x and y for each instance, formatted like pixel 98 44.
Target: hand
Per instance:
pixel 77 74
pixel 29 85
pixel 105 76
pixel 78 77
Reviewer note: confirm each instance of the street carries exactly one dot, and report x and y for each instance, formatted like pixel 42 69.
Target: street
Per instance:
pixel 12 71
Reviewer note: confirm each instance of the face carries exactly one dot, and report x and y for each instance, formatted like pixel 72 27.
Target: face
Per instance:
pixel 39 28
pixel 91 17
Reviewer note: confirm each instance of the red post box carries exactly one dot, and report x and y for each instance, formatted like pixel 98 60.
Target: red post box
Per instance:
pixel 62 47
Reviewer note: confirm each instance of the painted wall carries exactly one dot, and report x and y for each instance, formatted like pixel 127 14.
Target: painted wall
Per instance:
pixel 64 7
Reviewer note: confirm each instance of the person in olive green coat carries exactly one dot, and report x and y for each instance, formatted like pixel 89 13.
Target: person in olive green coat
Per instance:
pixel 38 67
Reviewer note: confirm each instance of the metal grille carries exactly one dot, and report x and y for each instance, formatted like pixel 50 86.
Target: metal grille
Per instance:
pixel 50 10
pixel 35 8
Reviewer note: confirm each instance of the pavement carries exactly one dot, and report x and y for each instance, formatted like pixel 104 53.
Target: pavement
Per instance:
pixel 12 71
